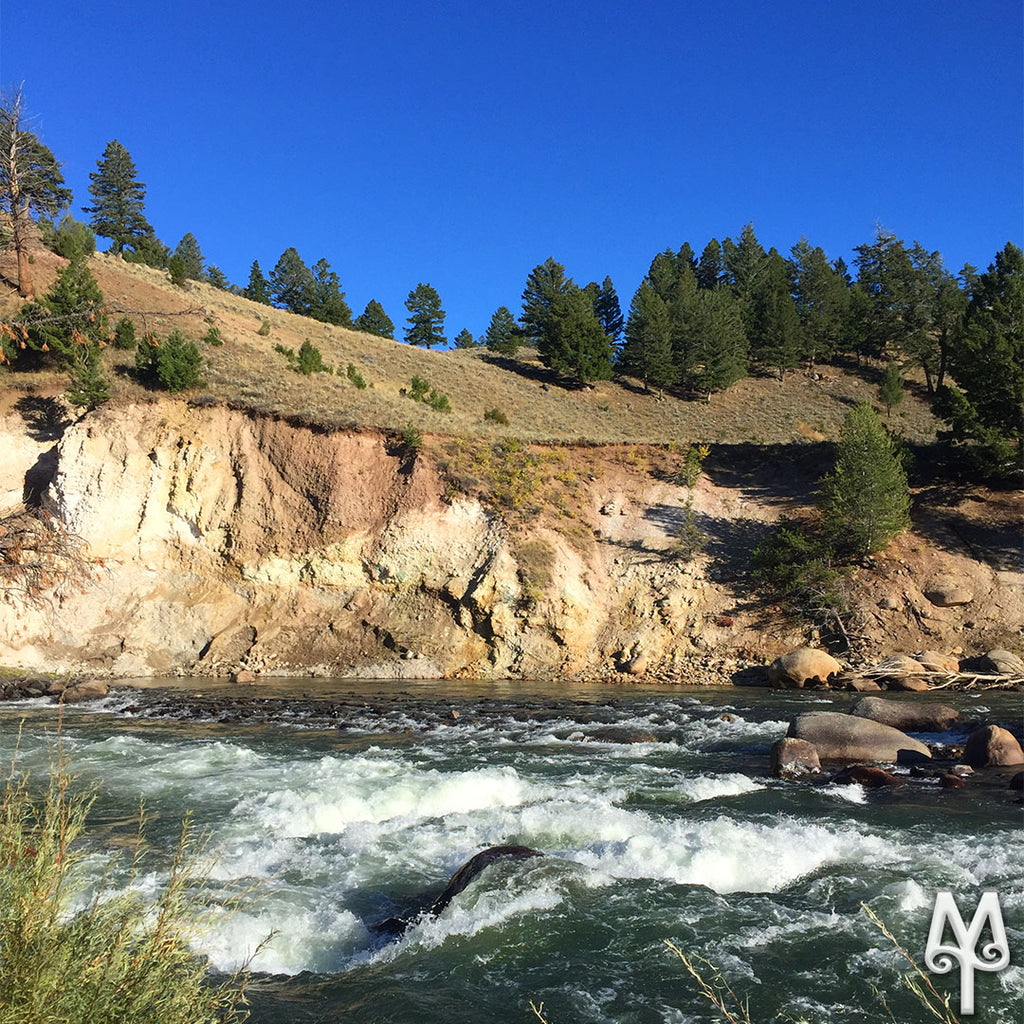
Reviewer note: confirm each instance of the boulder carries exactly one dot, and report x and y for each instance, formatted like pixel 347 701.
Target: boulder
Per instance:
pixel 948 595
pixel 840 737
pixel 90 689
pixel 908 716
pixel 911 684
pixel 867 776
pixel 792 758
pixel 896 666
pixel 935 661
pixel 947 780
pixel 803 666
pixel 1004 663
pixel 992 746
pixel 858 684
pixel 243 676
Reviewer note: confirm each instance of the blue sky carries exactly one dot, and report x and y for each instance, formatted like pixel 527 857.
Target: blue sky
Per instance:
pixel 463 143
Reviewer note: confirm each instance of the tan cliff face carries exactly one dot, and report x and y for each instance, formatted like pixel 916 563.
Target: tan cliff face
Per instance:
pixel 213 540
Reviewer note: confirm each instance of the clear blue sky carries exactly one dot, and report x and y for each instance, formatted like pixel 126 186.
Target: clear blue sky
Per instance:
pixel 462 143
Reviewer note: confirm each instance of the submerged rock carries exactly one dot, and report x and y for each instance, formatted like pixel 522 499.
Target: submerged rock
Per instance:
pixel 793 758
pixel 840 737
pixel 867 776
pixel 907 716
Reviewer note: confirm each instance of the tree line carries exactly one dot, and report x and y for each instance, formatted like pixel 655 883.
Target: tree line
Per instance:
pixel 696 323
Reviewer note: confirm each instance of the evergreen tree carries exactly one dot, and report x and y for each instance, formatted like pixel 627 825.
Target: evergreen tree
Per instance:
pixel 772 320
pixel 647 351
pixel 373 320
pixel 574 343
pixel 148 250
pixel 215 277
pixel 502 334
pixel 465 339
pixel 73 239
pixel 258 288
pixel 545 283
pixel 191 257
pixel 608 311
pixel 686 258
pixel 822 302
pixel 865 501
pixel 329 303
pixel 713 341
pixel 72 325
pixel 426 317
pixel 118 199
pixel 292 284
pixel 31 185
pixel 987 362
pixel 744 260
pixel 890 390
pixel 663 276
pixel 711 267
pixel 176 270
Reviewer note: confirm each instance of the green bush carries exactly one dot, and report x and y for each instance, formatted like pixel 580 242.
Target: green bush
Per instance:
pixel 122 959
pixel 355 377
pixel 438 402
pixel 213 337
pixel 175 363
pixel 73 239
pixel 124 334
pixel 264 331
pixel 496 416
pixel 418 388
pixel 411 437
pixel 177 270
pixel 309 359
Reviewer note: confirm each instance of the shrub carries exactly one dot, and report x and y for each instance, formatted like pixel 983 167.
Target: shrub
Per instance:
pixel 174 363
pixel 438 402
pixel 418 389
pixel 355 377
pixel 124 334
pixel 411 437
pixel 535 560
pixel 213 337
pixel 264 331
pixel 89 388
pixel 688 538
pixel 177 270
pixel 121 960
pixel 496 416
pixel 73 239
pixel 309 359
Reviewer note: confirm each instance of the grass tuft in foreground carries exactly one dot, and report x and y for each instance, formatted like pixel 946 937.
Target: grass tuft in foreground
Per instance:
pixel 123 958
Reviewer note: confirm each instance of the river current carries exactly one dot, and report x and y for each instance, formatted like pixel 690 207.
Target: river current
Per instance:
pixel 352 802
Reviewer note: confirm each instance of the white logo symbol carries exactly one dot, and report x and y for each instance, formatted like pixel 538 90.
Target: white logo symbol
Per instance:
pixel 940 957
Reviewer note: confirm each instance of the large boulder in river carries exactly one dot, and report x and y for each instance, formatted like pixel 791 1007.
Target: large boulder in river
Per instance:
pixel 802 667
pixel 992 746
pixel 792 758
pixel 908 716
pixel 1005 663
pixel 840 737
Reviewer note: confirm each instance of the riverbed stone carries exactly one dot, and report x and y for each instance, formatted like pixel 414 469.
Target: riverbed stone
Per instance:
pixel 948 595
pixel 1004 663
pixel 840 737
pixel 802 667
pixel 793 758
pixel 89 689
pixel 907 716
pixel 909 684
pixel 936 661
pixel 992 746
pixel 868 776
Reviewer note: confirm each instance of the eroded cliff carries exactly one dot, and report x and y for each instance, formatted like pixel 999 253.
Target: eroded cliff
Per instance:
pixel 208 540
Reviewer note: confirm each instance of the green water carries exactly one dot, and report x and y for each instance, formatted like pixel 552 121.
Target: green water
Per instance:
pixel 350 803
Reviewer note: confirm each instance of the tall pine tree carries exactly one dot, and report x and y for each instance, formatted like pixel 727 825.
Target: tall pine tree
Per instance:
pixel 373 320
pixel 118 199
pixel 328 300
pixel 545 283
pixel 258 288
pixel 647 351
pixel 426 317
pixel 573 342
pixel 502 335
pixel 191 257
pixel 292 284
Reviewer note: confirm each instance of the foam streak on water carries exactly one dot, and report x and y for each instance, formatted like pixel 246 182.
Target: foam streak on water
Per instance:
pixel 679 835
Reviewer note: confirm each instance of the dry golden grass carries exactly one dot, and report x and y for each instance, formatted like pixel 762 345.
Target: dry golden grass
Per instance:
pixel 247 372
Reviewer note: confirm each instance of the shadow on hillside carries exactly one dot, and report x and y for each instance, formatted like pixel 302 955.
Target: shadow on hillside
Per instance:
pixel 775 474
pixel 45 418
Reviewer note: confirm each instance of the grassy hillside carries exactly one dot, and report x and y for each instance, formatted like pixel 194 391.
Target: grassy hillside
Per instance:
pixel 246 371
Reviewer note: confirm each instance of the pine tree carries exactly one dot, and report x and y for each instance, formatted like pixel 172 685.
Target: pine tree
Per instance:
pixel 328 304
pixel 822 302
pixel 149 250
pixel 215 277
pixel 714 341
pixel 258 288
pixel 890 390
pixel 865 500
pixel 545 283
pixel 426 317
pixel 711 266
pixel 574 343
pixel 465 339
pixel 647 351
pixel 31 184
pixel 373 320
pixel 744 261
pixel 608 311
pixel 502 335
pixel 292 284
pixel 772 320
pixel 663 276
pixel 191 257
pixel 118 199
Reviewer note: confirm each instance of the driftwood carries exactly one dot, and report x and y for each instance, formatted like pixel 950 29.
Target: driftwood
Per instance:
pixel 951 680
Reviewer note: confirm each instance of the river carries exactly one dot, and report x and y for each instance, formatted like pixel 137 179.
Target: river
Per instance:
pixel 352 802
